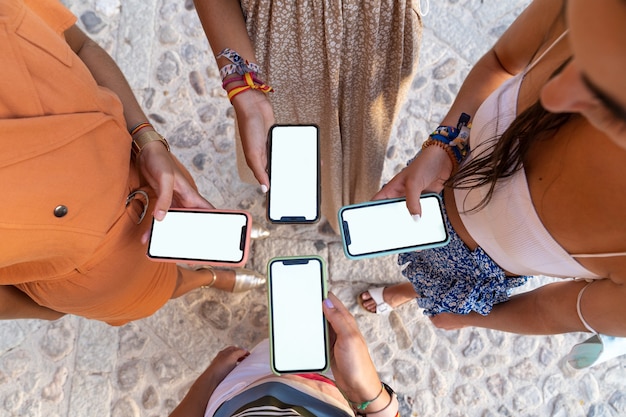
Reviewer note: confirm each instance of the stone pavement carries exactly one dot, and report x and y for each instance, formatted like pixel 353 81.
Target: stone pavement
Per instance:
pixel 76 367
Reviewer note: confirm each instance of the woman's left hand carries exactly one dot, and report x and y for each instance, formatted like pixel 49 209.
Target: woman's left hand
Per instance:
pixel 165 176
pixel 224 362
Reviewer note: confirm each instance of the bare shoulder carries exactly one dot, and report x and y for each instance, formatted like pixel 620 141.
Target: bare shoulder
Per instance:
pixel 538 25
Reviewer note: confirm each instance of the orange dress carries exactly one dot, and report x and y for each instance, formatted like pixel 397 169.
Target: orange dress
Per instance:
pixel 68 239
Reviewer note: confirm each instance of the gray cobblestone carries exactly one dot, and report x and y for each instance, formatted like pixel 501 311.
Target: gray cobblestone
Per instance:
pixel 76 367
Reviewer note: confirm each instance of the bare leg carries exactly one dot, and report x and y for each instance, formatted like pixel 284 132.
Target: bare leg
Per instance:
pixel 394 295
pixel 14 304
pixel 190 280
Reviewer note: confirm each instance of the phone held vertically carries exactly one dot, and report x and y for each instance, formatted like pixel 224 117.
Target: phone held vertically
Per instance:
pixel 383 227
pixel 298 328
pixel 294 171
pixel 196 236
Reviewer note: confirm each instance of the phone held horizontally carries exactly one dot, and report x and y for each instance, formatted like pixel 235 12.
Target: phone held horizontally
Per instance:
pixel 213 237
pixel 383 227
pixel 294 171
pixel 298 328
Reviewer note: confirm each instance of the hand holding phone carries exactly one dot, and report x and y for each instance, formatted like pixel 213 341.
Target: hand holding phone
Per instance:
pixel 383 227
pixel 294 166
pixel 298 329
pixel 352 366
pixel 214 237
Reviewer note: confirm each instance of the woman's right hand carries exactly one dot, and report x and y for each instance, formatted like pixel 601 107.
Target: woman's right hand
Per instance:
pixel 195 402
pixel 255 116
pixel 351 363
pixel 163 173
pixel 426 173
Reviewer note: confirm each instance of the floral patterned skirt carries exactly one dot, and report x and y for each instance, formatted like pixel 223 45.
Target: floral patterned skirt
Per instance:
pixel 453 279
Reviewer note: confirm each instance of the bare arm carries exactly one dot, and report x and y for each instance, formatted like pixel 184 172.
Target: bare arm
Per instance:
pixel 510 55
pixel 14 304
pixel 225 27
pixel 157 165
pixel 353 369
pixel 106 73
pixel 551 309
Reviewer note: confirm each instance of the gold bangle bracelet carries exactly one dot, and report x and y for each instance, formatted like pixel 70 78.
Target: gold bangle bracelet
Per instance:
pixel 146 137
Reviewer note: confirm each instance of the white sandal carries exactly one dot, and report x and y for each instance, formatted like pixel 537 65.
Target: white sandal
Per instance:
pixel 376 294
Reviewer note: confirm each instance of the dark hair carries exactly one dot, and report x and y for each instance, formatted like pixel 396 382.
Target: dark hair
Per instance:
pixel 502 157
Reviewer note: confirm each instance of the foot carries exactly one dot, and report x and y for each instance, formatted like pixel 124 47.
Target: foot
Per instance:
pixel 381 300
pixel 237 280
pixel 247 279
pixel 205 276
pixel 259 232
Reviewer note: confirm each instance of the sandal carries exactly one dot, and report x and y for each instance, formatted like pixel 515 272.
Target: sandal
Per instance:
pixel 376 294
pixel 259 232
pixel 245 279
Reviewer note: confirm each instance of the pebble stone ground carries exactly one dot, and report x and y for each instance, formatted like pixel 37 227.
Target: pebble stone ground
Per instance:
pixel 76 367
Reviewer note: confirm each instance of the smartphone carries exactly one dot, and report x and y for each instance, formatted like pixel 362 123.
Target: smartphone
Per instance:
pixel 298 329
pixel 384 227
pixel 214 237
pixel 294 171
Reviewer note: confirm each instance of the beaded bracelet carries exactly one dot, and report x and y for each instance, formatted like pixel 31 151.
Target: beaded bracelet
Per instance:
pixel 445 147
pixel 390 391
pixel 365 404
pixel 454 140
pixel 385 407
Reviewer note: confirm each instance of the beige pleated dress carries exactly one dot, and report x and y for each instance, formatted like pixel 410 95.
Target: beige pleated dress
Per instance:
pixel 346 66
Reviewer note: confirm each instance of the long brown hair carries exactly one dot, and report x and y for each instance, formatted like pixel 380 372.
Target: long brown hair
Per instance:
pixel 502 157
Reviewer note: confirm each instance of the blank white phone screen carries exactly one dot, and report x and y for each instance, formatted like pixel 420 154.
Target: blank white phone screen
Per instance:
pixel 298 336
pixel 202 236
pixel 389 226
pixel 294 189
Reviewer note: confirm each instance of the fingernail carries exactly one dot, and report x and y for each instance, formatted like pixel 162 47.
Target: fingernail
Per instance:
pixel 159 214
pixel 329 303
pixel 263 188
pixel 416 217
